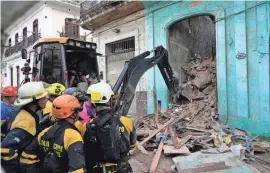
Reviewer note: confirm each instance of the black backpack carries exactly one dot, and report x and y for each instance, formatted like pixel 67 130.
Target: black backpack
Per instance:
pixel 104 139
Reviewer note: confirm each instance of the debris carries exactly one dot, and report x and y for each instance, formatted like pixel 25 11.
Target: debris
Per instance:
pixel 239 132
pixel 173 137
pixel 258 158
pixel 155 161
pixel 144 132
pixel 183 141
pixel 207 167
pixel 202 80
pixel 210 151
pixel 155 107
pixel 199 162
pixel 223 148
pixel 171 150
pixel 156 131
pixel 162 137
pixel 197 129
pixel 141 148
pixel 237 149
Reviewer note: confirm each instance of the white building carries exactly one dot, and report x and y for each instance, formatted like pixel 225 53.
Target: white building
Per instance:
pixel 118 28
pixel 44 19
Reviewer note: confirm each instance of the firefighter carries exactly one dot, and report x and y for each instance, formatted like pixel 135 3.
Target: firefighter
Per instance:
pixel 88 110
pixel 9 95
pixel 24 124
pixel 58 148
pixel 107 137
pixel 55 90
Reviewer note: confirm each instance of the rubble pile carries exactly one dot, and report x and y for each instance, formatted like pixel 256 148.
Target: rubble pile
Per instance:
pixel 193 126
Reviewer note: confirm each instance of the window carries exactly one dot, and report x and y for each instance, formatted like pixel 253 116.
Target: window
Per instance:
pixel 25 33
pixel 52 64
pixel 35 29
pixel 18 75
pixel 71 27
pixel 16 38
pixel 9 42
pixel 11 75
pixel 121 46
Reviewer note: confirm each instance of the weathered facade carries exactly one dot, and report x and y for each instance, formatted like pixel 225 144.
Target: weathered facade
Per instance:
pixel 43 19
pixel 242 55
pixel 118 28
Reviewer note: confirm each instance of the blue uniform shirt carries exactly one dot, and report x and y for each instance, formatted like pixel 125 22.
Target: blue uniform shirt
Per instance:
pixel 5 111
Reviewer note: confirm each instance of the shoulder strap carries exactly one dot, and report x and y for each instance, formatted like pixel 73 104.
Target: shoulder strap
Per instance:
pixel 99 122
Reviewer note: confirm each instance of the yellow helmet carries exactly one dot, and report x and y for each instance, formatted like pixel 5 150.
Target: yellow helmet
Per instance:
pixel 56 89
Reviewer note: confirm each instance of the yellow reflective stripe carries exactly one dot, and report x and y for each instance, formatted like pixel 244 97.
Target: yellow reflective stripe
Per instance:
pixel 27 161
pixel 7 158
pixel 110 164
pixel 28 156
pixel 4 150
pixel 78 171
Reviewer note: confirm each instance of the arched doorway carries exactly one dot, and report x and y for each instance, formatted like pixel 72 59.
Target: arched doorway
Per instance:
pixel 192 55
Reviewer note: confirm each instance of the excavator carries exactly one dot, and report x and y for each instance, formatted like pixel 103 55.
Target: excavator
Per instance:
pixel 51 58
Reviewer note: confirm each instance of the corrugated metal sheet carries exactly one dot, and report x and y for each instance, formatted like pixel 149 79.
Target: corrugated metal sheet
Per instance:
pixel 243 72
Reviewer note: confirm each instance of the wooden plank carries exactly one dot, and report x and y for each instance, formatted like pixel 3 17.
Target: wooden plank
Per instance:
pixel 144 132
pixel 156 131
pixel 197 129
pixel 173 137
pixel 141 148
pixel 171 150
pixel 156 158
pixel 183 141
pixel 155 106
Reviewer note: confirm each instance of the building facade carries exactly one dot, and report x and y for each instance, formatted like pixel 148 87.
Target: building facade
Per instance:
pixel 242 55
pixel 43 19
pixel 118 28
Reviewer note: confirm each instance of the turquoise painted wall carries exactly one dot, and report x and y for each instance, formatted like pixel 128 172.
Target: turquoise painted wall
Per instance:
pixel 243 84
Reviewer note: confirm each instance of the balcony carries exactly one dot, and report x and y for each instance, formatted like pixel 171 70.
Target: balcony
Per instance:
pixel 20 45
pixel 77 37
pixel 95 14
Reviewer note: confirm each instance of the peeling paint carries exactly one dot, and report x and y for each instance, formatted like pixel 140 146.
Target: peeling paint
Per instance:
pixel 195 3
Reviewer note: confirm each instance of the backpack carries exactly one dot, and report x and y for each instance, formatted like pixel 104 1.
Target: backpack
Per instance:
pixel 104 138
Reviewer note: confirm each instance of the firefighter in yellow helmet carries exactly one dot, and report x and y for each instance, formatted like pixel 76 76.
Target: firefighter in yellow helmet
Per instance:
pixel 108 138
pixel 58 148
pixel 55 90
pixel 23 124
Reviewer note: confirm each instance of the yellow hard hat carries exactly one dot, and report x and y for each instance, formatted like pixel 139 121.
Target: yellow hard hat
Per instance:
pixel 56 89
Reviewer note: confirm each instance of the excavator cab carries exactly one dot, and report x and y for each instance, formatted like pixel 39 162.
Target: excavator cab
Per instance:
pixel 56 59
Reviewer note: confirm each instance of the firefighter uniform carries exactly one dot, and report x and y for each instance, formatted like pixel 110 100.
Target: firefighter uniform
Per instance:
pixel 58 148
pixel 24 128
pixel 23 125
pixel 62 141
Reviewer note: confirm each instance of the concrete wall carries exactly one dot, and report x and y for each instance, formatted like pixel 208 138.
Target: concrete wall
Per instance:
pixel 132 25
pixel 243 63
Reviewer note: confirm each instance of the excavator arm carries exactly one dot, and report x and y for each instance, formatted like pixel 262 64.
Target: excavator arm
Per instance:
pixel 125 85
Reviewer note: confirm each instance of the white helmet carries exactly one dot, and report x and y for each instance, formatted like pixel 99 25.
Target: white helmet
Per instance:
pixel 100 92
pixel 31 91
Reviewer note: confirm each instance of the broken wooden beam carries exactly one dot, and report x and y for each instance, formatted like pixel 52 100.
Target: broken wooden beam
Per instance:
pixel 141 148
pixel 144 132
pixel 155 107
pixel 183 141
pixel 156 158
pixel 173 137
